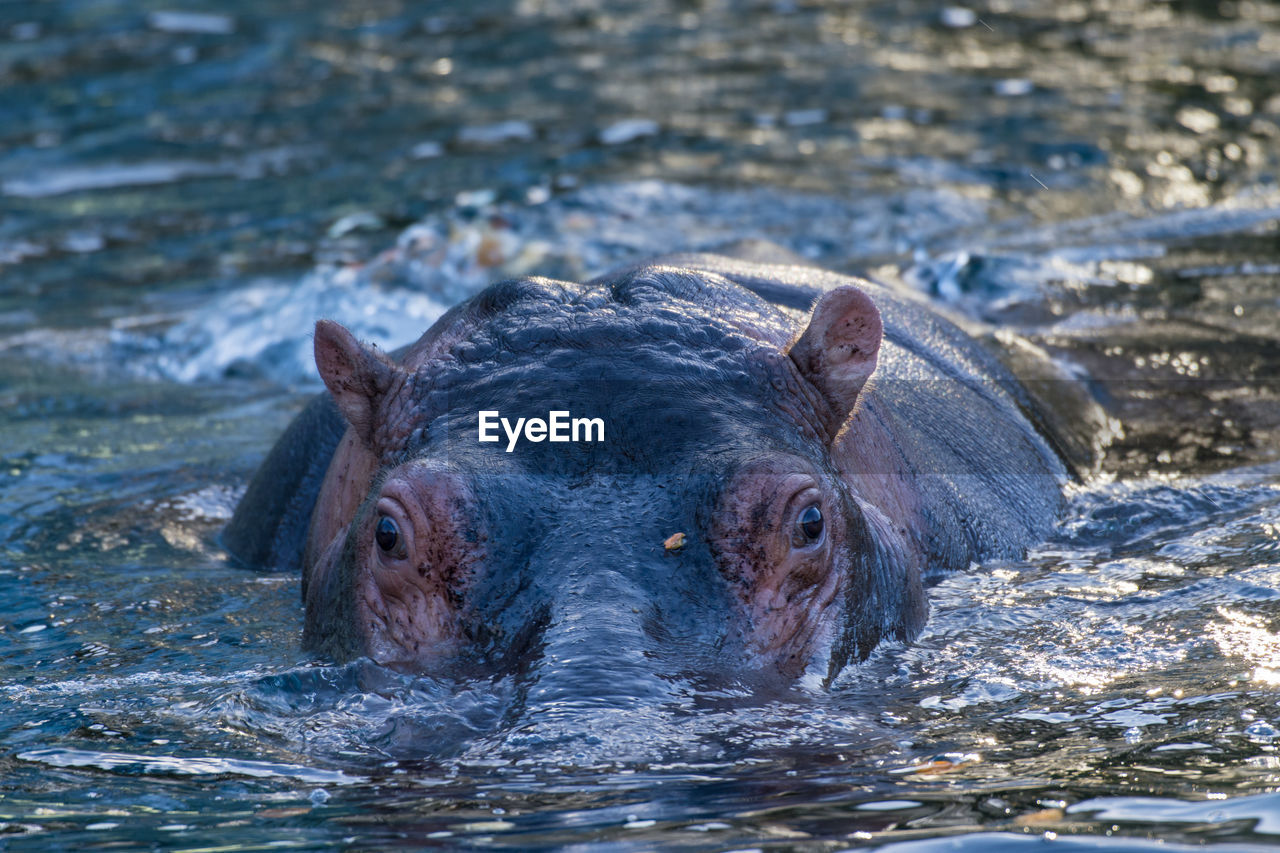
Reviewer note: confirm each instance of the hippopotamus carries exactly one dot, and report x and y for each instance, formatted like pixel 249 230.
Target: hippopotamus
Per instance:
pixel 700 463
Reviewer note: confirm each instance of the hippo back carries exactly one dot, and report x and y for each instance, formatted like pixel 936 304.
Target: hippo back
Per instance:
pixel 981 450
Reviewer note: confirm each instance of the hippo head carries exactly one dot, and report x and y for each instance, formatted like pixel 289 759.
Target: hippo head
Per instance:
pixel 688 511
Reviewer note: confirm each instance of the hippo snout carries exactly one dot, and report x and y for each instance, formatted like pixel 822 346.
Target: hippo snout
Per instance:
pixel 600 647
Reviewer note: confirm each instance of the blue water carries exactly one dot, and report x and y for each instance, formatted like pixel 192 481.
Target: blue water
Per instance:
pixel 182 195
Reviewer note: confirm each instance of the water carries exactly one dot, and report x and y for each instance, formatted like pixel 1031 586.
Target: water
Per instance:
pixel 183 190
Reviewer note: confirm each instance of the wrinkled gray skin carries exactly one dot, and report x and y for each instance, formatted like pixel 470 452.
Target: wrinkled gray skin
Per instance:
pixel 737 397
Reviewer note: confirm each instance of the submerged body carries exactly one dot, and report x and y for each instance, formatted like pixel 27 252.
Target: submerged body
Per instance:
pixel 773 488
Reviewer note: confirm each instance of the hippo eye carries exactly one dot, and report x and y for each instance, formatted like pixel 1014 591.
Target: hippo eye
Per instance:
pixel 809 525
pixel 386 534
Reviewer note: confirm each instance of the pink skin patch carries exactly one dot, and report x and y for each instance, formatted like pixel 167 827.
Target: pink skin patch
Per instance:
pixel 786 580
pixel 416 555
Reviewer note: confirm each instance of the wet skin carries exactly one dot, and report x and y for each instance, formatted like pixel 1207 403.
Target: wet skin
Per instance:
pixel 826 446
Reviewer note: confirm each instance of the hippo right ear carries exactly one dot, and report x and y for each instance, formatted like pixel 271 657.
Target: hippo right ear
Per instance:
pixel 357 377
pixel 839 348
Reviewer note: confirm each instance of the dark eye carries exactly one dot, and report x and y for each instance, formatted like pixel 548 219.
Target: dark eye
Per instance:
pixel 809 525
pixel 386 534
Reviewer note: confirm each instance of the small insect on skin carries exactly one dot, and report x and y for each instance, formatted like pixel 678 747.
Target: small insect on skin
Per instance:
pixel 674 542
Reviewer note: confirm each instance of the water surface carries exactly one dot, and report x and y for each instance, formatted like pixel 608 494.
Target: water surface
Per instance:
pixel 183 190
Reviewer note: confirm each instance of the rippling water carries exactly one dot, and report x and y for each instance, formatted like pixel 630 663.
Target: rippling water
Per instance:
pixel 183 191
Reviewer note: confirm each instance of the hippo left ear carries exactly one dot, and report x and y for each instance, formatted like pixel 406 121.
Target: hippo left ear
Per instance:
pixel 838 350
pixel 358 377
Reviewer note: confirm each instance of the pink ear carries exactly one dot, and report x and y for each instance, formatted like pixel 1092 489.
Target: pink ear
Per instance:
pixel 838 350
pixel 356 376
